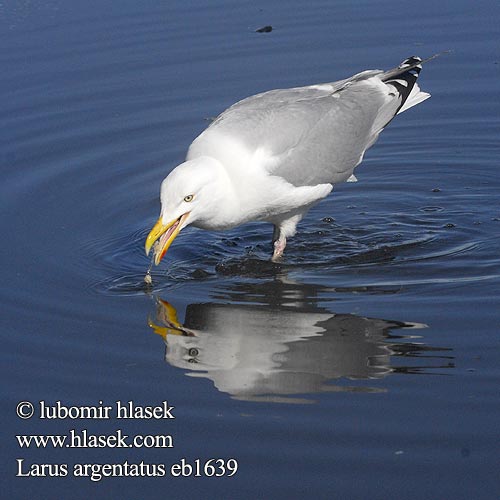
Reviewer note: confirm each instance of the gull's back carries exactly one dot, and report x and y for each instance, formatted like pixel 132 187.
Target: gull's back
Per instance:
pixel 311 135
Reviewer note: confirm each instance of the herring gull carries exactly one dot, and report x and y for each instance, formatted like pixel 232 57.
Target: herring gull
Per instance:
pixel 272 156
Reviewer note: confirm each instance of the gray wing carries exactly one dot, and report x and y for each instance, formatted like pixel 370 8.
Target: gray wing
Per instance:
pixel 308 135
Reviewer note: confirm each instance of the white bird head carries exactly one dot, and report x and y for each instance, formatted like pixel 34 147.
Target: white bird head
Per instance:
pixel 191 193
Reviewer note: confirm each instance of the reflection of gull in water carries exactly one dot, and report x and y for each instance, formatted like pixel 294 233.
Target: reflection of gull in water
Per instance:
pixel 261 353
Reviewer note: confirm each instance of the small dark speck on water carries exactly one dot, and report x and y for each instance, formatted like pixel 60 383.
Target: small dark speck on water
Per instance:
pixel 328 220
pixel 436 190
pixel 264 29
pixel 449 225
pixel 200 274
pixel 229 243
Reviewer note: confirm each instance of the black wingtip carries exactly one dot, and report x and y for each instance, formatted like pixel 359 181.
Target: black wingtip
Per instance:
pixel 413 61
pixel 404 77
pixel 404 80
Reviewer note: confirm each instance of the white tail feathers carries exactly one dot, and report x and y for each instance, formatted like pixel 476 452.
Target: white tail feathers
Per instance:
pixel 416 97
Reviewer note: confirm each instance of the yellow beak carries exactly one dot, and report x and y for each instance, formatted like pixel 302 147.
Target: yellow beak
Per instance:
pixel 166 234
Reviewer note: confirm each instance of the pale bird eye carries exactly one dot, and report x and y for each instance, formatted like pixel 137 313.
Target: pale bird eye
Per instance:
pixel 188 198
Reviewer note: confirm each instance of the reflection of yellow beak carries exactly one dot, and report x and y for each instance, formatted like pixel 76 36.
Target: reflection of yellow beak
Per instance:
pixel 163 331
pixel 166 234
pixel 168 316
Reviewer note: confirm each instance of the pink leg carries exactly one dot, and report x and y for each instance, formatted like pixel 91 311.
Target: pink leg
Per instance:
pixel 279 247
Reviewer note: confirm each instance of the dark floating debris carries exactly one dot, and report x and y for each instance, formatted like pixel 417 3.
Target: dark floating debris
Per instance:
pixel 248 267
pixel 264 29
pixel 229 243
pixel 449 226
pixel 200 274
pixel 436 190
